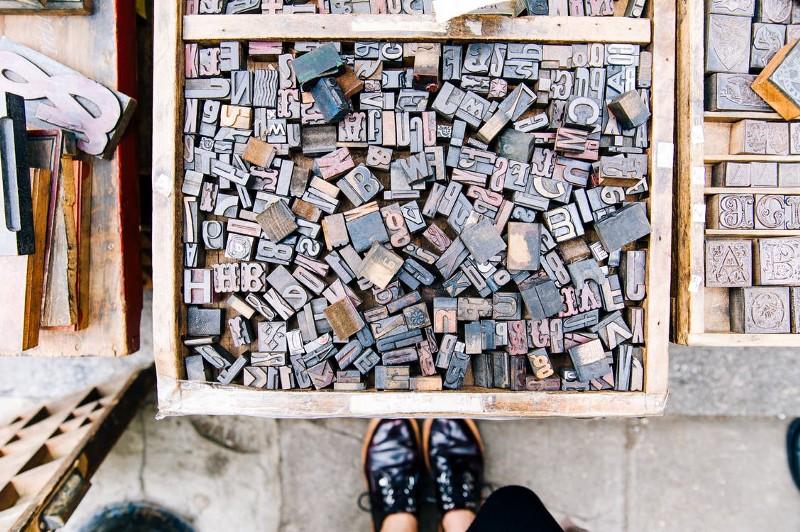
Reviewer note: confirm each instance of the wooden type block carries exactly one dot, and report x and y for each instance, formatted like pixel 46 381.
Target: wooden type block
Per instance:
pixel 760 310
pixel 258 152
pixel 745 8
pixel 732 174
pixel 452 62
pixel 416 316
pixel 457 370
pixel 629 110
pixel 366 361
pixel 344 318
pixel 730 211
pixel 541 297
pixel 271 336
pixel 775 11
pixel 287 287
pixel 268 251
pixel 367 230
pixel 749 137
pixel 335 231
pixel 517 372
pixel 795 305
pixel 195 369
pixel 241 331
pixel 239 247
pixel 524 240
pixel 217 357
pixel 431 383
pixel 769 212
pixel 517 338
pixel 777 141
pixel 501 371
pixel 482 370
pixel 380 265
pixel 724 35
pixel 623 227
pixel 767 40
pixel 564 222
pixel 197 286
pixel 777 261
pixel 392 377
pixel 203 321
pixel 540 364
pixel 733 92
pixel 729 263
pixel 321 375
pixel 472 338
pixel 589 360
pixel 277 221
pixel 397 357
pixel 612 330
pixel 268 359
pixel 549 384
pixel 481 238
pixel 329 99
pixel 322 61
pixel 633 272
pixel 228 374
pixel 788 175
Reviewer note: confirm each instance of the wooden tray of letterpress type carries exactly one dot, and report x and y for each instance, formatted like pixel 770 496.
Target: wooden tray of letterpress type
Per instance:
pixel 738 205
pixel 419 254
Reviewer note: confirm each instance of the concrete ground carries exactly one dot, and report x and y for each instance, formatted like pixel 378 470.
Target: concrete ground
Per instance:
pixel 716 462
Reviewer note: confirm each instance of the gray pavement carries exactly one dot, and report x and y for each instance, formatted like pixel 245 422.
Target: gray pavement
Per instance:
pixel 716 462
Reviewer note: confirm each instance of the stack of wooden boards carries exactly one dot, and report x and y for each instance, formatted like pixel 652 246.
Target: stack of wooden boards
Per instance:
pixel 529 161
pixel 44 241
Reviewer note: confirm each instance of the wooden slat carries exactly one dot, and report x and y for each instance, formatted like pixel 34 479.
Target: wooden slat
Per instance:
pixel 751 232
pixel 744 340
pixel 657 304
pixel 735 116
pixel 167 70
pixel 711 159
pixel 415 27
pixel 690 177
pixel 751 190
pixel 193 398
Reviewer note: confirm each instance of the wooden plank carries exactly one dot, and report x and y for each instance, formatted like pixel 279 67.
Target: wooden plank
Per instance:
pixel 191 398
pixel 657 305
pixel 735 116
pixel 416 27
pixel 752 232
pixel 115 283
pixel 167 270
pixel 750 190
pixel 718 158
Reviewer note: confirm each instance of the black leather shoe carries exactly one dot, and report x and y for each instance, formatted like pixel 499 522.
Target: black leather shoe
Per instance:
pixel 793 450
pixel 454 455
pixel 391 458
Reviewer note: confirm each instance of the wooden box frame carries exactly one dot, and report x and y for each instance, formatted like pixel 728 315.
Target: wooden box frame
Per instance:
pixel 53 7
pixel 701 140
pixel 180 397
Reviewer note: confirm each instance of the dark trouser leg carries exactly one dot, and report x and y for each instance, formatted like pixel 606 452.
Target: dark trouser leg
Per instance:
pixel 513 509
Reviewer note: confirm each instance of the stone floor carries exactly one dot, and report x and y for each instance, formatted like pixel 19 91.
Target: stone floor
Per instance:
pixel 716 462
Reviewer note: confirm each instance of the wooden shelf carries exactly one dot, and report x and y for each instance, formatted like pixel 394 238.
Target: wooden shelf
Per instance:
pixel 752 232
pixel 731 339
pixel 735 116
pixel 751 190
pixel 711 159
pixel 416 27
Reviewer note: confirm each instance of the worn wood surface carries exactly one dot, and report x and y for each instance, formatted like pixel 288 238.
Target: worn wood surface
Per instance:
pixel 51 7
pixel 416 27
pixel 178 397
pixel 115 296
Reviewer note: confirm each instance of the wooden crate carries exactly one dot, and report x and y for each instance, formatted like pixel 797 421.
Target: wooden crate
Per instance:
pixel 700 314
pixel 49 453
pixel 181 397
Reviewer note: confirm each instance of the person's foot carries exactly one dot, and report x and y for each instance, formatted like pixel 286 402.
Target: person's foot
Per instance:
pixel 391 458
pixel 454 455
pixel 793 450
